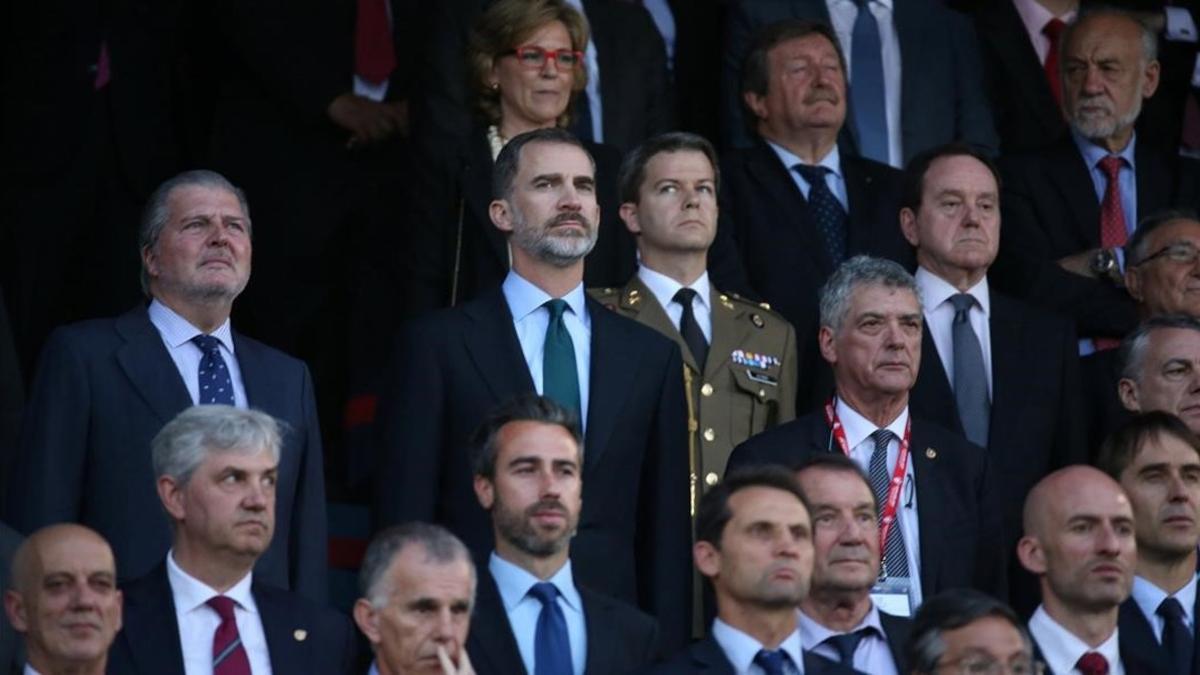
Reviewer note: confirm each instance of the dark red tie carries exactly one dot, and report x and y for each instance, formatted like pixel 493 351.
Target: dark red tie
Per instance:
pixel 1112 212
pixel 1092 663
pixel 374 52
pixel 229 656
pixel 1052 30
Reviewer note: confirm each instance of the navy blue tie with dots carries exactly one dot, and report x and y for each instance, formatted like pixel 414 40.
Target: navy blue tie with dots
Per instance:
pixel 216 386
pixel 826 211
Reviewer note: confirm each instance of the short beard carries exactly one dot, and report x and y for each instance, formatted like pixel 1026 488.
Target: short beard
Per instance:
pixel 1106 126
pixel 516 529
pixel 557 250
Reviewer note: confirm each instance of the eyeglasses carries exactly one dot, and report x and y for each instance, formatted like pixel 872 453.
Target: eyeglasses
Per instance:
pixel 985 665
pixel 532 56
pixel 1181 253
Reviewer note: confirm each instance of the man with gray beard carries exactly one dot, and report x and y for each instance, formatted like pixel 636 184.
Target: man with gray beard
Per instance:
pixel 539 332
pixel 1071 207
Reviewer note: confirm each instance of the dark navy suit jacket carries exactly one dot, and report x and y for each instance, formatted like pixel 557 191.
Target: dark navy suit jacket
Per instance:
pixel 1137 637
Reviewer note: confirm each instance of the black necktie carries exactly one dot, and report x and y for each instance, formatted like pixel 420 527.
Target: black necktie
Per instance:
pixel 1176 637
pixel 689 329
pixel 826 210
pixel 846 643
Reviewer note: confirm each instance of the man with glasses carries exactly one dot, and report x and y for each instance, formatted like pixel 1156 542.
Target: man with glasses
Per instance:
pixel 966 632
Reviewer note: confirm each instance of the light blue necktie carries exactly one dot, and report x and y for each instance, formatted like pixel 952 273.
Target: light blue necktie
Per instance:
pixel 866 85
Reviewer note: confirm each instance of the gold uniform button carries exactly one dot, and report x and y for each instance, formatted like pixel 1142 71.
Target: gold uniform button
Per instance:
pixel 709 434
pixel 711 479
pixel 706 390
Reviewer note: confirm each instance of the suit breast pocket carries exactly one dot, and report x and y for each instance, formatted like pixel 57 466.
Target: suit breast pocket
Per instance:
pixel 755 402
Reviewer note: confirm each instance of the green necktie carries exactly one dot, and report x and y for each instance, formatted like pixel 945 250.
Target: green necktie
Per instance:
pixel 560 380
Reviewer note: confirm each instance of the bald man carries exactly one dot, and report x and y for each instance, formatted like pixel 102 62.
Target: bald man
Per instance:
pixel 1079 542
pixel 64 600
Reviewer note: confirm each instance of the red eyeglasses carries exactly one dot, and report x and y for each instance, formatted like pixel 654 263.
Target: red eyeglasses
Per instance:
pixel 532 56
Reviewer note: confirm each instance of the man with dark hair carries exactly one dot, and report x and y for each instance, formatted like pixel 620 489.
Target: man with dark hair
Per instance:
pixel 1160 368
pixel 106 387
pixel 970 631
pixel 832 204
pixel 527 476
pixel 839 620
pixel 754 543
pixel 939 519
pixel 416 593
pixel 1156 459
pixel 539 332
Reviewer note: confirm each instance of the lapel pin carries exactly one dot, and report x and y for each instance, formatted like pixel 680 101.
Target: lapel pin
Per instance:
pixel 757 321
pixel 931 453
pixel 300 634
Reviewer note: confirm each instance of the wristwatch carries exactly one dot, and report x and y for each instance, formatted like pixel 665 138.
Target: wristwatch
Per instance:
pixel 1104 263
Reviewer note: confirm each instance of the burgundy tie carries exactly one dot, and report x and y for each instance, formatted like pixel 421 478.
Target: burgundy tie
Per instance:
pixel 374 52
pixel 1092 663
pixel 1112 213
pixel 229 656
pixel 1052 30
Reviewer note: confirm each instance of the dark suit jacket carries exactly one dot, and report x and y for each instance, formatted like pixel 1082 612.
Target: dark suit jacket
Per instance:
pixel 1051 210
pixel 706 656
pixel 1103 411
pixel 942 98
pixel 896 630
pixel 302 637
pixel 104 389
pixel 1137 637
pixel 620 638
pixel 451 368
pixel 768 247
pixel 961 530
pixel 1135 663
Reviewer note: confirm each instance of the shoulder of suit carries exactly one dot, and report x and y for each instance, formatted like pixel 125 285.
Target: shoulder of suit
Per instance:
pixel 758 313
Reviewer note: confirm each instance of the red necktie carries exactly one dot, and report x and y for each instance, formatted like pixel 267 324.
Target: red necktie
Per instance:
pixel 1052 30
pixel 1112 214
pixel 229 656
pixel 374 52
pixel 1092 663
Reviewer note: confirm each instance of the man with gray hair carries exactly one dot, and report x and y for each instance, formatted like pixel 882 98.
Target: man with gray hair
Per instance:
pixel 418 592
pixel 1160 368
pixel 106 387
pixel 939 519
pixel 971 632
pixel 202 610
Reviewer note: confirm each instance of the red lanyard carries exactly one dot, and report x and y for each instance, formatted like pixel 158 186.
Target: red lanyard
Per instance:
pixel 888 516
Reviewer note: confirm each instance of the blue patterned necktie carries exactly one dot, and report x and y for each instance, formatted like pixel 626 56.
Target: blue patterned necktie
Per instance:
pixel 827 212
pixel 970 375
pixel 216 385
pixel 866 85
pixel 895 561
pixel 551 642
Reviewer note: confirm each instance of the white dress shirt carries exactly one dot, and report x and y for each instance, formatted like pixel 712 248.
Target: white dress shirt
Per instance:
pixel 664 289
pixel 177 334
pixel 1148 597
pixel 741 649
pixel 1061 649
pixel 939 317
pixel 1035 17
pixel 531 319
pixel 872 655
pixel 834 180
pixel 198 622
pixel 842 14
pixel 858 437
pixel 593 82
pixel 523 609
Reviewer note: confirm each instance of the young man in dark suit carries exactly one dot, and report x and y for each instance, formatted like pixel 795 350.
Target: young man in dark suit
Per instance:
pixel 531 616
pixel 201 609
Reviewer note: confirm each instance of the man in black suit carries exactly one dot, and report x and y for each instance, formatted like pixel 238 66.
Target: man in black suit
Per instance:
pixel 946 531
pixel 527 476
pixel 539 332
pixel 63 600
pixel 839 619
pixel 795 205
pixel 754 543
pixel 970 631
pixel 106 387
pixel 1079 541
pixel 1160 368
pixel 217 470
pixel 1156 459
pixel 1069 207
pixel 418 593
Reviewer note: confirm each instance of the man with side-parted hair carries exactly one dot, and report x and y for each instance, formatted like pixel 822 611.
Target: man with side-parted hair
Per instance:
pixel 202 610
pixel 1160 368
pixel 971 632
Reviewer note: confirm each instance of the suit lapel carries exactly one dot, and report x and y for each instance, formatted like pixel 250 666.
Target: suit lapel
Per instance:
pixel 728 330
pixel 150 616
pixel 612 370
pixel 937 384
pixel 149 367
pixel 1136 636
pixel 707 657
pixel 263 390
pixel 927 473
pixel 638 299
pixel 492 344
pixel 1008 350
pixel 287 641
pixel 794 233
pixel 491 632
pixel 1067 171
pixel 600 633
pixel 897 629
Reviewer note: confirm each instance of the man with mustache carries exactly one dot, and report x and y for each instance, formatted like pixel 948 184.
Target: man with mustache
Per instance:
pixel 106 387
pixel 539 332
pixel 1079 541
pixel 202 609
pixel 1156 458
pixel 1070 207
pixel 795 204
pixel 940 520
pixel 531 616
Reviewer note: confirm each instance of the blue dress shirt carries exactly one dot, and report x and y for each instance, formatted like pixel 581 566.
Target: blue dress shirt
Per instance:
pixel 1092 154
pixel 833 179
pixel 741 649
pixel 523 609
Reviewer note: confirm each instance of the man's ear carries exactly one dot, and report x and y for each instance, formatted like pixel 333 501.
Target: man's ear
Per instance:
pixel 1031 555
pixel 501 214
pixel 1133 283
pixel 367 619
pixel 170 493
pixel 485 492
pixel 756 103
pixel 629 215
pixel 14 607
pixel 1127 391
pixel 825 343
pixel 908 225
pixel 707 558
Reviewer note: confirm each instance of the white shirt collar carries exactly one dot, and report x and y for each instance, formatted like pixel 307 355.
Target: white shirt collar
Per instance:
pixel 859 428
pixel 514 583
pixel 813 633
pixel 190 593
pixel 524 298
pixel 664 287
pixel 936 290
pixel 885 3
pixel 741 649
pixel 178 331
pixel 1062 649
pixel 1148 597
pixel 832 160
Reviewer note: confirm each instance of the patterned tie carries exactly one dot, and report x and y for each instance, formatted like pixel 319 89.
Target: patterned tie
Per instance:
pixel 826 210
pixel 846 643
pixel 1177 637
pixel 866 85
pixel 551 643
pixel 690 329
pixel 229 656
pixel 894 559
pixel 560 379
pixel 216 386
pixel 1092 663
pixel 772 662
pixel 970 376
pixel 1052 30
pixel 1112 213
pixel 374 50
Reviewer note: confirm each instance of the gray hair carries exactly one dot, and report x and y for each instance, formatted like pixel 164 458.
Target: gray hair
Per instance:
pixel 949 611
pixel 1148 37
pixel 186 441
pixel 439 544
pixel 1133 347
pixel 1135 248
pixel 861 270
pixel 158 211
